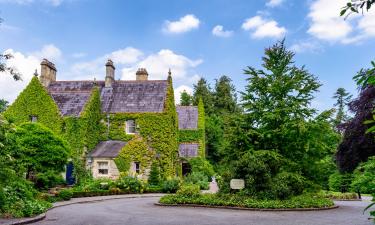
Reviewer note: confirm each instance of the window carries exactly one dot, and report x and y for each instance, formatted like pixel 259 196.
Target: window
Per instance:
pixel 103 168
pixel 137 167
pixel 130 127
pixel 33 119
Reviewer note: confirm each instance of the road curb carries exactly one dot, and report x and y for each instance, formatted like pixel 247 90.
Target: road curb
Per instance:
pixel 243 208
pixel 43 215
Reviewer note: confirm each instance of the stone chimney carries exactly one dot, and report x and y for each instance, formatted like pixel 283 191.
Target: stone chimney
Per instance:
pixel 109 73
pixel 141 74
pixel 48 72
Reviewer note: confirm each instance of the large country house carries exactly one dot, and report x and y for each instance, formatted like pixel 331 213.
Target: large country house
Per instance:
pixel 115 126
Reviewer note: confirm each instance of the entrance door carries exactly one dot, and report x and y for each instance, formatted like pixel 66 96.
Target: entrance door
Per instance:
pixel 186 168
pixel 69 174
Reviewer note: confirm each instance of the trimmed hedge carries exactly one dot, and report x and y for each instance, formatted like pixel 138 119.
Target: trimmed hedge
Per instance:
pixel 232 200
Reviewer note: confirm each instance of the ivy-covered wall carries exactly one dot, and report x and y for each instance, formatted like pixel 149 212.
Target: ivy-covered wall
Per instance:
pixel 34 100
pixel 193 136
pixel 159 131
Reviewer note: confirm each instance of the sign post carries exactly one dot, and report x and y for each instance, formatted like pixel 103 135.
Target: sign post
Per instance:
pixel 237 184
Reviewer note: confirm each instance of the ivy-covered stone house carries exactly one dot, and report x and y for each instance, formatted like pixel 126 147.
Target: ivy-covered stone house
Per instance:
pixel 114 126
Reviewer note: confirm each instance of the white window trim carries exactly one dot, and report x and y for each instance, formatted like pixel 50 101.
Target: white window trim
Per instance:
pixel 127 127
pixel 101 174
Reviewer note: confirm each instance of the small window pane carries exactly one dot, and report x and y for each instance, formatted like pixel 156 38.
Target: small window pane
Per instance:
pixel 137 167
pixel 34 119
pixel 103 168
pixel 130 127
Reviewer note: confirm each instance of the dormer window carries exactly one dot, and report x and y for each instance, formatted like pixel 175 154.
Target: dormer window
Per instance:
pixel 33 119
pixel 130 127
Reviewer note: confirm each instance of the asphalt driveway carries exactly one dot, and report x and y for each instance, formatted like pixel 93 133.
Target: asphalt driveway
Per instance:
pixel 142 211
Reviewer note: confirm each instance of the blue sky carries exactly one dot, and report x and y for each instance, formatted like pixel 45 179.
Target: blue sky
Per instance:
pixel 192 38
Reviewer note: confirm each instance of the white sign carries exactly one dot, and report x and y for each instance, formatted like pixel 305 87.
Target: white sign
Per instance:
pixel 237 184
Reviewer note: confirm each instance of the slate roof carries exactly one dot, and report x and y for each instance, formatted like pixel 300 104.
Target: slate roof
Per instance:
pixel 187 117
pixel 188 150
pixel 123 96
pixel 107 149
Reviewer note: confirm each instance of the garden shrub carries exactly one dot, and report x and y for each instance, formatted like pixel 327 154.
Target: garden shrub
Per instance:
pixel 364 177
pixel 20 200
pixel 202 165
pixel 198 178
pixel 48 179
pixel 130 184
pixel 65 194
pixel 285 185
pixel 340 182
pixel 171 185
pixel 154 177
pixel 189 190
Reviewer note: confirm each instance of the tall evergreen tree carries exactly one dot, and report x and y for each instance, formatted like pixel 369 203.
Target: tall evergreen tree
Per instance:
pixel 202 90
pixel 186 99
pixel 225 98
pixel 342 99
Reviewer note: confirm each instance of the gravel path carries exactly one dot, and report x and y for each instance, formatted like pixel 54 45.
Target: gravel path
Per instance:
pixel 142 211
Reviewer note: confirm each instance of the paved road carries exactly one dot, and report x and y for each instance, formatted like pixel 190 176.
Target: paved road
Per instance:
pixel 142 211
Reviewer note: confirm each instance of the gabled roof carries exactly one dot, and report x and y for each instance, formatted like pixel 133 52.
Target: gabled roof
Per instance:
pixel 123 96
pixel 187 117
pixel 188 150
pixel 107 149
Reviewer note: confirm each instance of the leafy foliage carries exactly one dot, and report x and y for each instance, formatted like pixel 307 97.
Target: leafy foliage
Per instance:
pixel 364 177
pixel 354 6
pixel 40 149
pixel 203 91
pixel 154 177
pixel 340 182
pixel 302 201
pixel 135 150
pixel 3 105
pixel 171 185
pixel 34 100
pixel 342 99
pixel 186 99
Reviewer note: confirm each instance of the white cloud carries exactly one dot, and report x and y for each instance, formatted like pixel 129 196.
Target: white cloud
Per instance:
pixel 274 3
pixel 307 46
pixel 158 65
pixel 26 65
pixel 50 52
pixel 79 55
pixel 95 68
pixel 184 24
pixel 220 32
pixel 263 28
pixel 179 90
pixel 326 23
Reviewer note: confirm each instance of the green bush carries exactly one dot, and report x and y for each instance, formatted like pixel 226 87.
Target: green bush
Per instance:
pixel 130 184
pixel 198 178
pixel 364 177
pixel 20 200
pixel 48 179
pixel 339 195
pixel 171 185
pixel 65 194
pixel 340 182
pixel 285 185
pixel 233 200
pixel 154 178
pixel 189 190
pixel 201 165
pixel 94 185
pixel 153 189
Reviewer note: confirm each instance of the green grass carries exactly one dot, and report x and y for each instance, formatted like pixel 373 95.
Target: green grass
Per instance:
pixel 302 201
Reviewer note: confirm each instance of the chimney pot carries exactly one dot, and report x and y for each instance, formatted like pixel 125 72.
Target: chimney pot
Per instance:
pixel 47 72
pixel 141 74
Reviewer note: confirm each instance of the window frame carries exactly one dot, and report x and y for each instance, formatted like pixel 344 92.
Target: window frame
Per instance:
pixel 99 168
pixel 33 118
pixel 127 126
pixel 137 170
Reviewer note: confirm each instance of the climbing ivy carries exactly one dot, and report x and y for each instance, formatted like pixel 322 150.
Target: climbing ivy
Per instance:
pixel 34 100
pixel 136 150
